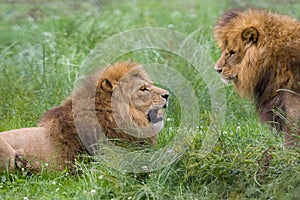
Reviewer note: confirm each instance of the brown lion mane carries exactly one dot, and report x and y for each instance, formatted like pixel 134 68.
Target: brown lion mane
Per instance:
pixel 72 128
pixel 261 56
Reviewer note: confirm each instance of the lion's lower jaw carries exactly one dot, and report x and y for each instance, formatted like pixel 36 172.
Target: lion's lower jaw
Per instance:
pixel 226 81
pixel 157 127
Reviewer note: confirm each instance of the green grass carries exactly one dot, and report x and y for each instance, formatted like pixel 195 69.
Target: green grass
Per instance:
pixel 42 46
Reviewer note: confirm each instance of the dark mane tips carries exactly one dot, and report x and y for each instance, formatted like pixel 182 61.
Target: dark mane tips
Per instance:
pixel 228 16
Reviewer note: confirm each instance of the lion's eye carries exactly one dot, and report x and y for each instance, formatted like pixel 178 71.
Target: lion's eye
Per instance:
pixel 230 53
pixel 144 88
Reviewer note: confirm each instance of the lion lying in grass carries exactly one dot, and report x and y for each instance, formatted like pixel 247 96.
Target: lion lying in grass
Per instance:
pixel 261 56
pixel 119 97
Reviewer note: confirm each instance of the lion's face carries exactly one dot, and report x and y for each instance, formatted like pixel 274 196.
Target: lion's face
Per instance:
pixel 149 100
pixel 227 64
pixel 234 49
pixel 137 104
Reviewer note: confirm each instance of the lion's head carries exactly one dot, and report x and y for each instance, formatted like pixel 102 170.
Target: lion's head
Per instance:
pixel 127 104
pixel 254 44
pixel 135 101
pixel 234 41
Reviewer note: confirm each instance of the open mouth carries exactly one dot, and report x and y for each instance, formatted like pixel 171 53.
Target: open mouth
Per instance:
pixel 155 115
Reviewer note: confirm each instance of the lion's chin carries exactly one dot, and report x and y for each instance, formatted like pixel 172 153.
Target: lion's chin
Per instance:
pixel 157 127
pixel 226 81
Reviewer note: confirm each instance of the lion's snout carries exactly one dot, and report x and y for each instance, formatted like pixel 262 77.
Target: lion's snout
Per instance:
pixel 217 68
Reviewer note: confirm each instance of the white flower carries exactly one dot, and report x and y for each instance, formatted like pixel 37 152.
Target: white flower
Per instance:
pixel 25 198
pixel 93 191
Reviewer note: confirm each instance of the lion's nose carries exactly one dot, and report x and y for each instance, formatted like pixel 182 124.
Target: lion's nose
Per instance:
pixel 165 96
pixel 219 70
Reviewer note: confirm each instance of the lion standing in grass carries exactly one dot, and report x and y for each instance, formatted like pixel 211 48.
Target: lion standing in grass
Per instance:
pixel 261 56
pixel 121 102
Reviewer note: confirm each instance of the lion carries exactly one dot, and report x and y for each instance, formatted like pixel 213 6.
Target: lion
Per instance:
pixel 108 106
pixel 261 57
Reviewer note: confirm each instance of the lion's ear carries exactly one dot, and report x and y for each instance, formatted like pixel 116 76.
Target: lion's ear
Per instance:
pixel 107 85
pixel 250 35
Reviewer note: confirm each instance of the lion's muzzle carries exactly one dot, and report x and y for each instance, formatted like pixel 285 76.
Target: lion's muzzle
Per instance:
pixel 155 114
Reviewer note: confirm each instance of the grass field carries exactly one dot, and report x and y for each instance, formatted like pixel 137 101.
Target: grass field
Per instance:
pixel 42 47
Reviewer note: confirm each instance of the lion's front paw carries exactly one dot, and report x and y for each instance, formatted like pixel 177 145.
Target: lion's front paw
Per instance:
pixel 7 155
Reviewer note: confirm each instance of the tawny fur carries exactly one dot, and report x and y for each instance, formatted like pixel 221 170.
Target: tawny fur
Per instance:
pixel 261 56
pixel 56 143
